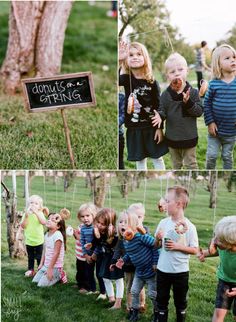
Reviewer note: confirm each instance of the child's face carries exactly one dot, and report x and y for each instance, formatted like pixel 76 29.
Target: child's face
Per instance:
pixel 52 222
pixel 122 224
pixel 176 69
pixel 228 61
pixel 34 203
pixel 86 218
pixel 101 225
pixel 171 203
pixel 135 58
pixel 140 215
pixel 222 245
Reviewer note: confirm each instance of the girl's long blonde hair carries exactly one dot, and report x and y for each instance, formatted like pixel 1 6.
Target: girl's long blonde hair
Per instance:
pixel 147 67
pixel 215 62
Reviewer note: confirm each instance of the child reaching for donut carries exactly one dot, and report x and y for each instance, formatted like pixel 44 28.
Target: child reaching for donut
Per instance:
pixel 178 239
pixel 32 223
pixel 180 106
pixel 139 248
pixel 51 265
pixel 224 245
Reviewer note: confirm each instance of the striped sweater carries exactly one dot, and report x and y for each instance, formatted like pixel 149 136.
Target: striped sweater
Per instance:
pixel 78 247
pixel 86 236
pixel 140 250
pixel 220 106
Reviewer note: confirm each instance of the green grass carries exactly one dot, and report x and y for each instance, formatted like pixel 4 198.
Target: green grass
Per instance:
pixel 63 303
pixel 90 43
pixel 202 134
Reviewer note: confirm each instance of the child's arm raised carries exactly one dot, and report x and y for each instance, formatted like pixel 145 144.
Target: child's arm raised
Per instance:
pixel 57 248
pixel 39 215
pixel 25 220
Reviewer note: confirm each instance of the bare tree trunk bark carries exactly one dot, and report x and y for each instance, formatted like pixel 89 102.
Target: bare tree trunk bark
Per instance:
pixel 14 232
pixel 101 191
pixel 35 43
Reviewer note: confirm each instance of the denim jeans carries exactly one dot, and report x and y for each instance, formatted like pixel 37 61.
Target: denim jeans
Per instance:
pixel 138 284
pixel 226 144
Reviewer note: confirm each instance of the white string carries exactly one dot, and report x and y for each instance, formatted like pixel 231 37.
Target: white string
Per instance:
pixel 56 194
pixel 145 190
pixel 189 179
pixel 73 200
pixel 44 189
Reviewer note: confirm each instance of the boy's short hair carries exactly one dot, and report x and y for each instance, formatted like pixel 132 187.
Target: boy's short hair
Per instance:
pixel 181 193
pixel 89 207
pixel 137 206
pixel 173 58
pixel 225 230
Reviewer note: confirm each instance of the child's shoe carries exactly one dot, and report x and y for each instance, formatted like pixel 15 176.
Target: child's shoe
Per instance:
pixel 83 291
pixel 30 273
pixel 101 297
pixel 134 316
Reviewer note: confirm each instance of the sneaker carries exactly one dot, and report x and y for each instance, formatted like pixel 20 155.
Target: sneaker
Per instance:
pixel 91 292
pixel 101 297
pixel 30 273
pixel 83 291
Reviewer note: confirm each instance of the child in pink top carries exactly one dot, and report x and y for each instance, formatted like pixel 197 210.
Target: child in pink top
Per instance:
pixel 51 265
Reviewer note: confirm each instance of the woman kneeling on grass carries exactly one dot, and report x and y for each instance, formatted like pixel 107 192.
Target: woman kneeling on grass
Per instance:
pixel 51 265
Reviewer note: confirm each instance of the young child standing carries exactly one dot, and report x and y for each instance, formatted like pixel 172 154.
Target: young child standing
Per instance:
pixel 105 242
pixel 32 223
pixel 178 238
pixel 141 101
pixel 51 265
pixel 141 250
pixel 180 106
pixel 220 107
pixel 224 246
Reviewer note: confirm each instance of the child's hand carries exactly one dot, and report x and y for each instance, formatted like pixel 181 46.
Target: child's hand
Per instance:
pixel 186 96
pixel 154 268
pixel 112 267
pixel 123 50
pixel 76 233
pixel 49 274
pixel 201 255
pixel 40 266
pixel 94 257
pixel 212 129
pixel 156 119
pixel 88 246
pixel 171 245
pixel 88 259
pixel 160 234
pixel 120 263
pixel 158 137
pixel 231 293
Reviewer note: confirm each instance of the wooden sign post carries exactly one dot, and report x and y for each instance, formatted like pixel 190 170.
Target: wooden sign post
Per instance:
pixel 59 93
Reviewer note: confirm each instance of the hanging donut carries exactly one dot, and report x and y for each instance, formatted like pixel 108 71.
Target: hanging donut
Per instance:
pixel 181 227
pixel 128 234
pixel 176 84
pixel 130 107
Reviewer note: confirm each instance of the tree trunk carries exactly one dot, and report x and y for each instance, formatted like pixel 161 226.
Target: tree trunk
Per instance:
pixel 35 43
pixel 212 185
pixel 101 191
pixel 14 232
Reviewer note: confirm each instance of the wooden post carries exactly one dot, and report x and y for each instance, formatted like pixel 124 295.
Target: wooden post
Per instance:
pixel 67 134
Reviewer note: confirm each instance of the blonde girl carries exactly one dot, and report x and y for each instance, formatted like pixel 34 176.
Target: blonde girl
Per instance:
pixel 224 245
pixel 32 223
pixel 106 240
pixel 51 265
pixel 142 96
pixel 220 107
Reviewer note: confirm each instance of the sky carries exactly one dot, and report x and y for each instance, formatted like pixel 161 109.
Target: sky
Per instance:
pixel 199 20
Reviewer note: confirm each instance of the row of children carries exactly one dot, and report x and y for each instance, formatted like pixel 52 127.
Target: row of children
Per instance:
pixel 125 247
pixel 144 110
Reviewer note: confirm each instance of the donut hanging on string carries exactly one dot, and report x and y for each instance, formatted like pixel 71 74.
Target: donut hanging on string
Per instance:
pixel 176 84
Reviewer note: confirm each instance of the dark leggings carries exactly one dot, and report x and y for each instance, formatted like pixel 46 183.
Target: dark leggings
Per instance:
pixel 179 282
pixel 34 252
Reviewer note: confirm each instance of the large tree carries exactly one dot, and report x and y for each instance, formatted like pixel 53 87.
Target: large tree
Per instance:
pixel 35 43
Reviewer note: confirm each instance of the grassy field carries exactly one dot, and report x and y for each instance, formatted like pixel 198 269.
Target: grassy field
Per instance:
pixel 90 43
pixel 202 134
pixel 24 302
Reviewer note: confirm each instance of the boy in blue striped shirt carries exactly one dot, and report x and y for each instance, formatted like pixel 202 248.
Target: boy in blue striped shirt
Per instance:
pixel 220 107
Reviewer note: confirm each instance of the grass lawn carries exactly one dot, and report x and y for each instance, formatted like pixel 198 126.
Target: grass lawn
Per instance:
pixel 202 135
pixel 90 43
pixel 24 301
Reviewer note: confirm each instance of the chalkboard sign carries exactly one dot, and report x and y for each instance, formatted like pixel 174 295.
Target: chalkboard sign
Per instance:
pixel 59 92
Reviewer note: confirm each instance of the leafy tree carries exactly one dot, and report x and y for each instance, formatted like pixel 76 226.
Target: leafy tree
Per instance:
pixel 231 39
